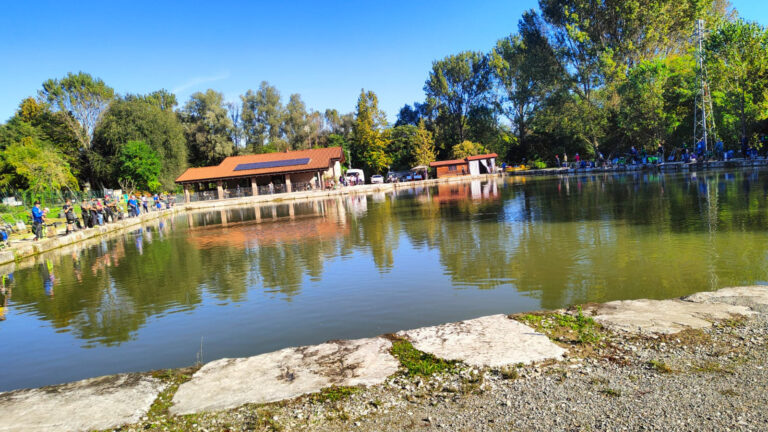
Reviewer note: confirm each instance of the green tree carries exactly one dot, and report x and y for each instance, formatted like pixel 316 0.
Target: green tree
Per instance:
pixel 656 104
pixel 369 145
pixel 296 124
pixel 456 87
pixel 527 69
pixel 141 118
pixel 35 165
pixel 139 163
pixel 738 62
pixel 401 144
pixel 423 151
pixel 262 119
pixel 207 128
pixel 35 119
pixel 466 149
pixel 84 98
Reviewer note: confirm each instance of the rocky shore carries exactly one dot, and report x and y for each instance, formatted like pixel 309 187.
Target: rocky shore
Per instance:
pixel 697 363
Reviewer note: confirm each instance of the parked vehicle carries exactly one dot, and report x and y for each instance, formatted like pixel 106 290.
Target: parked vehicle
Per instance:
pixel 377 179
pixel 355 176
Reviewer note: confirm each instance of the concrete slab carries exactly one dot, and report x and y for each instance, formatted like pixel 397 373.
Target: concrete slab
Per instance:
pixel 491 341
pixel 753 297
pixel 96 403
pixel 662 316
pixel 285 374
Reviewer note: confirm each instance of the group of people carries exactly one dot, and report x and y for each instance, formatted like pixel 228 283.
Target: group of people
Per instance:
pixel 97 212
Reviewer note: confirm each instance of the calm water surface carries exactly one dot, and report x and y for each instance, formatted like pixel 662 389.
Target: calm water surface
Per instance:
pixel 255 279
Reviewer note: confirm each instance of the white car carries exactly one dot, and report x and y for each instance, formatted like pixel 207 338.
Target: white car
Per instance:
pixel 377 179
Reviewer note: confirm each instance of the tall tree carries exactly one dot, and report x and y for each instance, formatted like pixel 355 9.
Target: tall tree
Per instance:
pixel 466 149
pixel 369 145
pixel 296 126
pixel 140 118
pixel 85 98
pixel 139 163
pixel 402 141
pixel 738 59
pixel 235 116
pixel 423 151
pixel 35 165
pixel 208 128
pixel 526 68
pixel 457 86
pixel 262 118
pixel 339 124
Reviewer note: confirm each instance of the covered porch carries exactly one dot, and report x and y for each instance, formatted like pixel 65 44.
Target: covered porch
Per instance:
pixel 239 187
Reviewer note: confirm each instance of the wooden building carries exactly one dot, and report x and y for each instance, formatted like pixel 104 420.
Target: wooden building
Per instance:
pixel 472 165
pixel 251 175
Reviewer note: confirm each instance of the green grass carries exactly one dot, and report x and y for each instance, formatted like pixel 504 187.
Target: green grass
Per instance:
pixel 566 327
pixel 419 363
pixel 334 394
pixel 712 367
pixel 611 392
pixel 659 366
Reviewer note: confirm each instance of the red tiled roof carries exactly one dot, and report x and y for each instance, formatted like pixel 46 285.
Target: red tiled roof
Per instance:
pixel 319 159
pixel 463 161
pixel 483 156
pixel 448 162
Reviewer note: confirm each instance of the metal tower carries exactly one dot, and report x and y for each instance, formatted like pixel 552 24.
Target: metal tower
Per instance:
pixel 703 117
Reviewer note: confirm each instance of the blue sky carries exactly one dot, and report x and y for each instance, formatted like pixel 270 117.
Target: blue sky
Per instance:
pixel 325 51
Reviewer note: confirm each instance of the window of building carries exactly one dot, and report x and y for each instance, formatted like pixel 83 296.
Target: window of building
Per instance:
pixel 452 168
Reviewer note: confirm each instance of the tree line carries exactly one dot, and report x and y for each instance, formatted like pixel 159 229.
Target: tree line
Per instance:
pixel 576 77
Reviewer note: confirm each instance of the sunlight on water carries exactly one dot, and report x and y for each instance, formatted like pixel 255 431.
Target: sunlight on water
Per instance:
pixel 254 279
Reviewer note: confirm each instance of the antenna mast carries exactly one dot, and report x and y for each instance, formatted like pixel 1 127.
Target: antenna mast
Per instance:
pixel 703 118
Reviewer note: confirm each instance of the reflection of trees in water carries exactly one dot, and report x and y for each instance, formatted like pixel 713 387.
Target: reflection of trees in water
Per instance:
pixel 563 241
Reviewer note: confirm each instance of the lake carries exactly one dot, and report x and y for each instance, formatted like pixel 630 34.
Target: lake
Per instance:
pixel 250 280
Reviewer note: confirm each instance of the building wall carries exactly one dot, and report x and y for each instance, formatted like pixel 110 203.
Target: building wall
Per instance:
pixel 302 177
pixel 474 167
pixel 452 170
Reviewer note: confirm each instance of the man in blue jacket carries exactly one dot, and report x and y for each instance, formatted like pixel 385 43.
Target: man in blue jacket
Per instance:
pixel 38 218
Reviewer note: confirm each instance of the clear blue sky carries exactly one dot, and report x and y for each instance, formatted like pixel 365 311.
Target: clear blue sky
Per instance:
pixel 325 51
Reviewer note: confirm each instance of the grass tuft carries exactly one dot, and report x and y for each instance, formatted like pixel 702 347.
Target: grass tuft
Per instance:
pixel 334 394
pixel 419 363
pixel 660 366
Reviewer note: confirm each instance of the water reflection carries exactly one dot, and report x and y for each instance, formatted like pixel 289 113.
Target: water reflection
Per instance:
pixel 305 272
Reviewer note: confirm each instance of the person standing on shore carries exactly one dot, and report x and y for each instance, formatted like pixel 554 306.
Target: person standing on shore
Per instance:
pixel 557 161
pixel 69 215
pixel 133 207
pixel 38 219
pixel 144 203
pixel 565 160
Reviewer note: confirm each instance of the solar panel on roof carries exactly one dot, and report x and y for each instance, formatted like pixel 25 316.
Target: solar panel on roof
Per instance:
pixel 272 164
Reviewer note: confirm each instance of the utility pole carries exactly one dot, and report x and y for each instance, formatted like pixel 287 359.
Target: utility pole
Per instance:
pixel 703 118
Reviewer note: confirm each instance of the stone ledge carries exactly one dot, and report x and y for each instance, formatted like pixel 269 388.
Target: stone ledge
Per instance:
pixel 285 374
pixel 96 403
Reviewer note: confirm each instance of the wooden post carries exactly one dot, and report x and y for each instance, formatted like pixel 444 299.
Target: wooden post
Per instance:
pixel 288 183
pixel 254 187
pixel 220 189
pixel 186 193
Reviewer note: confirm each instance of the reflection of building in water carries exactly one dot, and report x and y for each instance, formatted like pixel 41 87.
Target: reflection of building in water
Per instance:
pixel 321 220
pixel 475 190
pixel 357 205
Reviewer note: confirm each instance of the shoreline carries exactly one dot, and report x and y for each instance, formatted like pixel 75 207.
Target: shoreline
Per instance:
pixel 28 249
pixel 609 355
